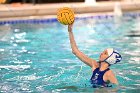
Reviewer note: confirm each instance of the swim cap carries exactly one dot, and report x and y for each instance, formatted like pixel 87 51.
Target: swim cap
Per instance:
pixel 113 56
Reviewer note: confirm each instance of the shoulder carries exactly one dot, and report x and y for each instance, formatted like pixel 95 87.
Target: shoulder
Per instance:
pixel 111 77
pixel 109 72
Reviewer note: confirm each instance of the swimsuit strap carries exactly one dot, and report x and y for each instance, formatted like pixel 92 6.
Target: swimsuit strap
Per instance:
pixel 106 70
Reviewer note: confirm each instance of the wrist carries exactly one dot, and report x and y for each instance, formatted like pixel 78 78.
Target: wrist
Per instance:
pixel 70 29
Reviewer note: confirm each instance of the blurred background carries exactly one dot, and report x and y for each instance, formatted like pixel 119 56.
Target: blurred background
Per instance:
pixel 51 1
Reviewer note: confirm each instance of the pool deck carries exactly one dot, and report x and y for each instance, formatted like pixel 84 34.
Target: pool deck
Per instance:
pixel 24 11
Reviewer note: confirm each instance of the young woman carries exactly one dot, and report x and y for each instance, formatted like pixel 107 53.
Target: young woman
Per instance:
pixel 102 75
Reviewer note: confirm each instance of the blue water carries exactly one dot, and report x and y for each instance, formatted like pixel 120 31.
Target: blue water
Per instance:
pixel 38 58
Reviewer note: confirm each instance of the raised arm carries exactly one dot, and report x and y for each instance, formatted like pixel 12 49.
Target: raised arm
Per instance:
pixel 90 62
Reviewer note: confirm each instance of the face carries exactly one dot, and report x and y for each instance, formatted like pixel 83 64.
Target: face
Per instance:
pixel 103 55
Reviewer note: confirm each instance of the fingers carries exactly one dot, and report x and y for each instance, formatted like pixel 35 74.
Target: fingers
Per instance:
pixel 70 25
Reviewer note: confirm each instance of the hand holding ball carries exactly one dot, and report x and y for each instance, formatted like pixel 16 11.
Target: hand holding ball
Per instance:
pixel 65 16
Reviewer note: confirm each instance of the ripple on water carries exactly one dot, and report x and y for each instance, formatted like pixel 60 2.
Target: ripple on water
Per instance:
pixel 15 67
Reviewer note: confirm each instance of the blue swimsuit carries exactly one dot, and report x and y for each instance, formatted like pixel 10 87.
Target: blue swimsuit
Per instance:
pixel 97 78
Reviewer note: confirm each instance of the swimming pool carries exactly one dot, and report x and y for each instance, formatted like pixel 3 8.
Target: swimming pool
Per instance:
pixel 35 55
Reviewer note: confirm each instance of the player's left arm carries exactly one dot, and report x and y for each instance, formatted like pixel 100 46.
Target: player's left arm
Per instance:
pixel 112 78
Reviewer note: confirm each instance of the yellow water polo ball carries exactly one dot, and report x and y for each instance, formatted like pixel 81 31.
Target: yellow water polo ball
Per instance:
pixel 2 1
pixel 65 15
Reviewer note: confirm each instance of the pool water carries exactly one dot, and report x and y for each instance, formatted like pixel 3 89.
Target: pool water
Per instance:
pixel 38 58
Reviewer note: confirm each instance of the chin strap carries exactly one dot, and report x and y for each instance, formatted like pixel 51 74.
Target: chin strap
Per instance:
pixel 103 61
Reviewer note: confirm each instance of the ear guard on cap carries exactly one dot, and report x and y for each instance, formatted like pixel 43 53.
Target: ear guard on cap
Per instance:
pixel 113 58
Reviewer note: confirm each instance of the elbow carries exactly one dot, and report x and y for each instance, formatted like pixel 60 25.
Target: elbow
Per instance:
pixel 73 52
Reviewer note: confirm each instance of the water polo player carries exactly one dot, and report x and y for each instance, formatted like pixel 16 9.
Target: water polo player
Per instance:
pixel 101 75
